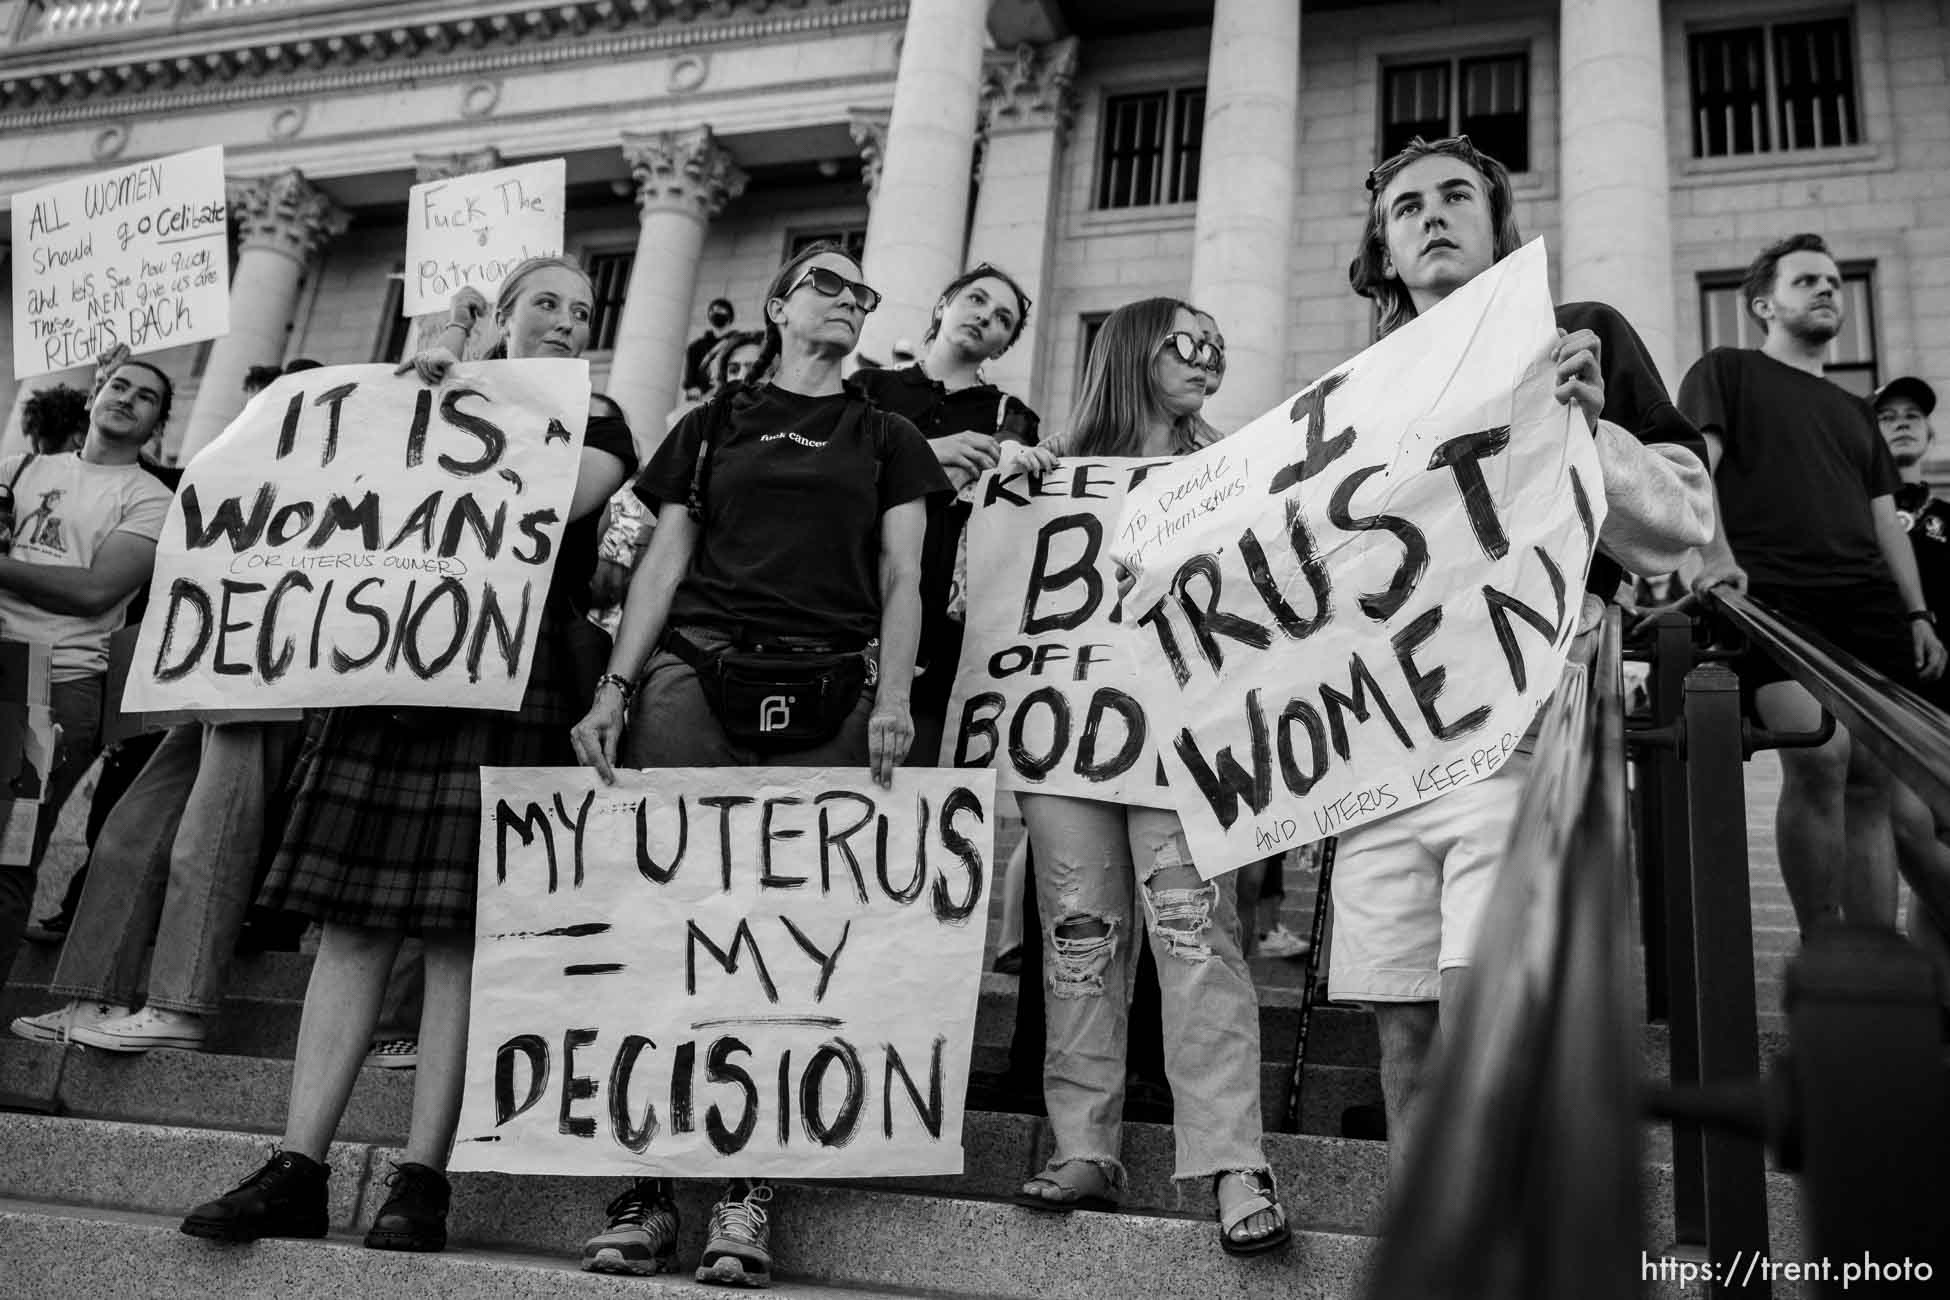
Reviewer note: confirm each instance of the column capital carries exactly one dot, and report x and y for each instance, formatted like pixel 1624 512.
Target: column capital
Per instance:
pixel 869 129
pixel 446 166
pixel 682 171
pixel 1030 87
pixel 284 213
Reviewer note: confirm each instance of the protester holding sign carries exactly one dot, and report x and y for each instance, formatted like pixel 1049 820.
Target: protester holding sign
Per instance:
pixel 1101 866
pixel 384 834
pixel 1409 888
pixel 969 424
pixel 85 530
pixel 783 582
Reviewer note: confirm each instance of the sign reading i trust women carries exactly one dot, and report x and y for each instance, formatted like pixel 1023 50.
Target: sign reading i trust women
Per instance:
pixel 1359 601
pixel 472 230
pixel 725 971
pixel 360 537
pixel 138 256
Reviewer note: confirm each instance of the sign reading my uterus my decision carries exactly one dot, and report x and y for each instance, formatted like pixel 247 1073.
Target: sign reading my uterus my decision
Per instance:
pixel 138 256
pixel 472 230
pixel 725 971
pixel 1358 602
pixel 360 537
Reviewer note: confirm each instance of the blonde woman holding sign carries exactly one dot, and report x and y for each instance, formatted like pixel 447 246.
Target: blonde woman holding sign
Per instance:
pixel 786 566
pixel 384 834
pixel 1103 870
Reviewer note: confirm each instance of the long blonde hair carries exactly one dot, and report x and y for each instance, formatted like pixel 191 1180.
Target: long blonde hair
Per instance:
pixel 1118 399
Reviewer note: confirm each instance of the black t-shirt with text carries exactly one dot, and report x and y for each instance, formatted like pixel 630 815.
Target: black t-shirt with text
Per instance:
pixel 1802 459
pixel 980 408
pixel 1927 520
pixel 791 537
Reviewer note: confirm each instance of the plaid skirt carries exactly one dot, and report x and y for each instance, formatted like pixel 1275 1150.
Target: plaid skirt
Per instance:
pixel 385 825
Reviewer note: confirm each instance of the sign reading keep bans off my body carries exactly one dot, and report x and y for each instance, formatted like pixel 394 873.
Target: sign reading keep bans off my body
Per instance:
pixel 725 971
pixel 358 537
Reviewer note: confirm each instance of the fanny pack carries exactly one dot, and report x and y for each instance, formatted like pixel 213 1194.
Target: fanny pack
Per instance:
pixel 778 698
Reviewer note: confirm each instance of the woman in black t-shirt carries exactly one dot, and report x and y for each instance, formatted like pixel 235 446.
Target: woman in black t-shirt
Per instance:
pixel 383 841
pixel 966 421
pixel 790 514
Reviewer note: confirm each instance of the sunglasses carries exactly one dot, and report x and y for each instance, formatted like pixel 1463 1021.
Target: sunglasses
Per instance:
pixel 831 284
pixel 1195 351
pixel 991 269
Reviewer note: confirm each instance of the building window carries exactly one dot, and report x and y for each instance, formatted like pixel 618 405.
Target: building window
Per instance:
pixel 1091 325
pixel 609 276
pixel 1851 360
pixel 1150 148
pixel 1781 87
pixel 394 329
pixel 853 239
pixel 1485 98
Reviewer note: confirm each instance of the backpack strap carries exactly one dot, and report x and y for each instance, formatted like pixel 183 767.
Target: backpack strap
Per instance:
pixel 20 469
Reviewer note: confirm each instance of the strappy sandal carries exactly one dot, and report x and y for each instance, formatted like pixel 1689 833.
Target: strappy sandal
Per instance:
pixel 1265 1197
pixel 1073 1198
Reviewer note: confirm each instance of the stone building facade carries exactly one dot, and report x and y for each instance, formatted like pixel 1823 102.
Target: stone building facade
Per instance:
pixel 1102 150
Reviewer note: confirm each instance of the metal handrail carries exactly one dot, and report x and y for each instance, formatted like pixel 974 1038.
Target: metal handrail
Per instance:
pixel 1524 1181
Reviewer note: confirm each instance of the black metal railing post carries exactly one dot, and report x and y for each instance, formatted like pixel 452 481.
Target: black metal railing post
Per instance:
pixel 1714 750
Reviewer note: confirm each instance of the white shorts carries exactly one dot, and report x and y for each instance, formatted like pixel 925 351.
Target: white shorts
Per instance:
pixel 1409 889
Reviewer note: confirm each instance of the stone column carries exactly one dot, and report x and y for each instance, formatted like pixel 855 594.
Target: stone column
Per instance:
pixel 1028 102
pixel 283 221
pixel 917 232
pixel 1615 209
pixel 439 167
pixel 1243 234
pixel 683 180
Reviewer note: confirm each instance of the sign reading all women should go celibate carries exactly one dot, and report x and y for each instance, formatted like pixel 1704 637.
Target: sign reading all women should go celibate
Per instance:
pixel 1048 691
pixel 725 971
pixel 361 537
pixel 472 230
pixel 136 256
pixel 1358 602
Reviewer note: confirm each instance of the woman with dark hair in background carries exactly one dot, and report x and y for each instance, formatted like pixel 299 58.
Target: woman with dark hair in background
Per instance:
pixel 790 514
pixel 384 835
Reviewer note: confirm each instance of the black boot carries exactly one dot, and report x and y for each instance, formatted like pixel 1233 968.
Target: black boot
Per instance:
pixel 414 1217
pixel 286 1198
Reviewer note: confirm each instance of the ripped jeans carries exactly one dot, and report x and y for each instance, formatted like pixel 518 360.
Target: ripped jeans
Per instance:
pixel 1098 866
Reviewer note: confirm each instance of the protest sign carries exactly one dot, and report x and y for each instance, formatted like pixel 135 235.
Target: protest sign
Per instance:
pixel 725 971
pixel 1047 691
pixel 139 255
pixel 1357 602
pixel 358 537
pixel 473 230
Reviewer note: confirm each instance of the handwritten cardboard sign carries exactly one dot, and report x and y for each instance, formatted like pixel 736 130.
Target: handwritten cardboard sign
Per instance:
pixel 1048 689
pixel 1358 602
pixel 473 230
pixel 139 255
pixel 358 537
pixel 725 971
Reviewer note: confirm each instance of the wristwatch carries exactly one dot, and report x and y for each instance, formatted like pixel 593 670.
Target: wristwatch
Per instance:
pixel 1921 616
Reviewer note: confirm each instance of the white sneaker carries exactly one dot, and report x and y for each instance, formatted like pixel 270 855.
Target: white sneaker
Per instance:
pixel 147 1028
pixel 55 1026
pixel 1282 942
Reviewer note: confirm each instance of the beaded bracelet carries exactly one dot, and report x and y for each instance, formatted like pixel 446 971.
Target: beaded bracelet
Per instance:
pixel 624 686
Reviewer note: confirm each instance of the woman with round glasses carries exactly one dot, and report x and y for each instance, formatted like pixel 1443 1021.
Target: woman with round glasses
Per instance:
pixel 383 840
pixel 790 514
pixel 970 426
pixel 1104 871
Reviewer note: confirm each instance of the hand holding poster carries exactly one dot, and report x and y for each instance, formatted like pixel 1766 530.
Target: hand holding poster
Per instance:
pixel 1367 608
pixel 725 972
pixel 358 537
pixel 1048 689
pixel 472 230
pixel 139 255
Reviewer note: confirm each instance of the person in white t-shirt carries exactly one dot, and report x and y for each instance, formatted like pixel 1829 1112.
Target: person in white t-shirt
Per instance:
pixel 86 524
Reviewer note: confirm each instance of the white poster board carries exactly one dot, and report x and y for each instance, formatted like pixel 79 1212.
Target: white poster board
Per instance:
pixel 473 230
pixel 1358 602
pixel 360 537
pixel 139 255
pixel 1048 690
pixel 725 971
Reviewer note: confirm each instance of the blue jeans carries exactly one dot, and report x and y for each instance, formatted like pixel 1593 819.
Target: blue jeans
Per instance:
pixel 77 707
pixel 176 858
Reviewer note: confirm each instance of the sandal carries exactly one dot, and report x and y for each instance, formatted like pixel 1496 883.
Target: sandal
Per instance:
pixel 1073 1197
pixel 1265 1197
